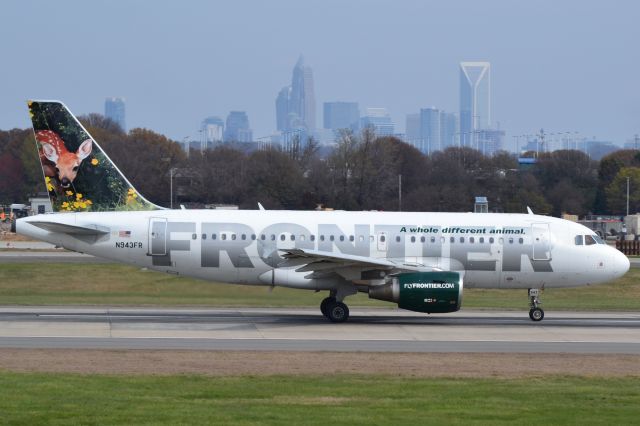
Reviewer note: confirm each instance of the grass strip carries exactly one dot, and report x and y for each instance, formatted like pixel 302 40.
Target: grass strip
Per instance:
pixel 115 284
pixel 28 398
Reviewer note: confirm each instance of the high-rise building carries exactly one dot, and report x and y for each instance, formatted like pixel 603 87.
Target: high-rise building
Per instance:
pixel 379 120
pixel 489 141
pixel 114 109
pixel 341 115
pixel 429 130
pixel 212 130
pixel 475 100
pixel 448 130
pixel 282 109
pixel 296 104
pixel 412 130
pixel 237 128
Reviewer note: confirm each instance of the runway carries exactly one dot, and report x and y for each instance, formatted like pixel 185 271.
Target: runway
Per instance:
pixel 371 330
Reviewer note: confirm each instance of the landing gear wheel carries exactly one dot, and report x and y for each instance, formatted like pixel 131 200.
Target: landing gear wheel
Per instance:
pixel 325 304
pixel 536 314
pixel 337 312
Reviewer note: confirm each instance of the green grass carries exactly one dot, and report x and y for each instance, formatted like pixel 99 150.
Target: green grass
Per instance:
pixel 114 284
pixel 61 399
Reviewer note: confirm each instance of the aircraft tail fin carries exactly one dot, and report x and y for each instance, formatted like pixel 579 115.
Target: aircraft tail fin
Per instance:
pixel 78 174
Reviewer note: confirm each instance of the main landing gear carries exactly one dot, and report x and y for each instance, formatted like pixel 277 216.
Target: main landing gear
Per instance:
pixel 334 311
pixel 535 313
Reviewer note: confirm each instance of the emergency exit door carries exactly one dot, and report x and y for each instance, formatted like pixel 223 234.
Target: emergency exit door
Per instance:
pixel 541 241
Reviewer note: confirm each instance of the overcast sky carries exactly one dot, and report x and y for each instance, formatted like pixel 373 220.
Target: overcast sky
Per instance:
pixel 560 65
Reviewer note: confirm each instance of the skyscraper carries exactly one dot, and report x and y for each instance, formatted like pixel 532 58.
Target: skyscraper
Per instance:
pixel 114 109
pixel 448 130
pixel 296 104
pixel 282 109
pixel 380 120
pixel 412 130
pixel 429 130
pixel 237 128
pixel 212 130
pixel 489 141
pixel 475 100
pixel 341 115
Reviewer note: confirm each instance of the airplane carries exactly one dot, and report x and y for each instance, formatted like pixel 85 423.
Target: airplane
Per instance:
pixel 420 261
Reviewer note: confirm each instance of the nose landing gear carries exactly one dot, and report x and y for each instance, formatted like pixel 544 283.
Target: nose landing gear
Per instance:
pixel 535 313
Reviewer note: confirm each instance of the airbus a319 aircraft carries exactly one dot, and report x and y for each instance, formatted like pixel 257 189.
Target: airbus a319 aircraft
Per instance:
pixel 420 261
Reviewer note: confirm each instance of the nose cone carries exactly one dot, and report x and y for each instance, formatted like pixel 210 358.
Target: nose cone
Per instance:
pixel 621 264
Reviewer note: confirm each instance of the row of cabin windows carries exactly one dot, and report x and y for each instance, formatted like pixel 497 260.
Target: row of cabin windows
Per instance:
pixel 413 239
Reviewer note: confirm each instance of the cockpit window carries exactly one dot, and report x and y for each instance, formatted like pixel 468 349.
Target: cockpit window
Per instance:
pixel 598 239
pixel 579 240
pixel 589 240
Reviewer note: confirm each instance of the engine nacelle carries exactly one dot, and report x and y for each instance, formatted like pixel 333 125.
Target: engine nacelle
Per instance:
pixel 430 292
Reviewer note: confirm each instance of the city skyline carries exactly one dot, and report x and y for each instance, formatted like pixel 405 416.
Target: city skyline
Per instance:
pixel 575 76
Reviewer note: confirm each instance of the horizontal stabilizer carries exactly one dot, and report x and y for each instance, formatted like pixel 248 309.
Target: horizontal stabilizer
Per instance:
pixel 63 228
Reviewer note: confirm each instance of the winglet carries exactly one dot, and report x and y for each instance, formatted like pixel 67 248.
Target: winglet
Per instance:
pixel 260 206
pixel 529 211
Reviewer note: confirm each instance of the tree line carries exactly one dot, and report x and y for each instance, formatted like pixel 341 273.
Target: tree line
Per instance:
pixel 361 172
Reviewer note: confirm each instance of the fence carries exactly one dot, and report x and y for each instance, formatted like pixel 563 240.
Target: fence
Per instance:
pixel 630 248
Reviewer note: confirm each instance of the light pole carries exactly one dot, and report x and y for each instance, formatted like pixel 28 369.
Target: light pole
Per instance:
pixel 171 174
pixel 627 195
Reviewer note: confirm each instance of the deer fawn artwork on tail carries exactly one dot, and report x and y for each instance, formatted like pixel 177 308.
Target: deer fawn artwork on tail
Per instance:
pixel 57 161
pixel 79 176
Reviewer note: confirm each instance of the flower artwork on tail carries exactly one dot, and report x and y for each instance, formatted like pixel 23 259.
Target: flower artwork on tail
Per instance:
pixel 78 174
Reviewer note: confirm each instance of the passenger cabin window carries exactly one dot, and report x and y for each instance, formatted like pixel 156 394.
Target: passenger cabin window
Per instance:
pixel 413 239
pixel 204 236
pixel 382 238
pixel 398 239
pixel 293 237
pixel 214 236
pixel 312 237
pixel 589 240
pixel 233 236
pixel 352 238
pixel 194 236
pixel 579 241
pixel 282 237
pixel 223 236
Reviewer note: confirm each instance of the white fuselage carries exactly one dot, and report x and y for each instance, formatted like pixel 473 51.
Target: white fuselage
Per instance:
pixel 245 246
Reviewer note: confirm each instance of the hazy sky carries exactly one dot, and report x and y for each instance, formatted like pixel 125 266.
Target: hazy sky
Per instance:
pixel 561 65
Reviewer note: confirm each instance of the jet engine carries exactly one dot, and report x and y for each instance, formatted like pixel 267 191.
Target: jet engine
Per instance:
pixel 430 292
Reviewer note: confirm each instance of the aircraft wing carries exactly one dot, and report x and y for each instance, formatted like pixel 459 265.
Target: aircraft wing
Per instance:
pixel 322 264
